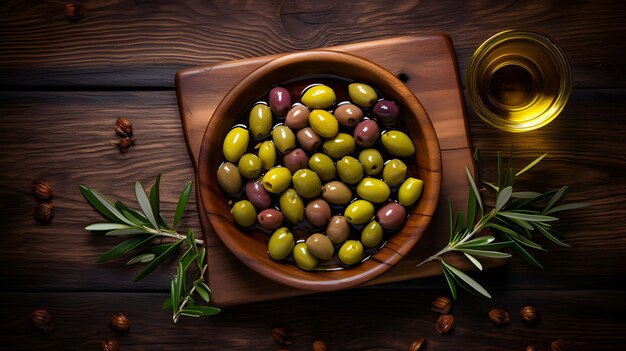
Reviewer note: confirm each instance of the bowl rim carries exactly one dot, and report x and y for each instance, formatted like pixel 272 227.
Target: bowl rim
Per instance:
pixel 370 268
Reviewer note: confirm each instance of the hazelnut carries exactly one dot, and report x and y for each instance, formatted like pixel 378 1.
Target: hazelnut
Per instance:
pixel 319 345
pixel 123 127
pixel 532 348
pixel 557 345
pixel 442 305
pixel 124 144
pixel 282 336
pixel 42 320
pixel 73 11
pixel 499 316
pixel 110 344
pixel 529 314
pixel 44 212
pixel 417 344
pixel 444 324
pixel 119 322
pixel 41 189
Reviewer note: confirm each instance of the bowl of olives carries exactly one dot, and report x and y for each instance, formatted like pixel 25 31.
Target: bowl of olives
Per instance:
pixel 319 170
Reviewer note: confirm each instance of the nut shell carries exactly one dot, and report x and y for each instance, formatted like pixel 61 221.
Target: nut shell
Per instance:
pixel 44 212
pixel 42 189
pixel 42 320
pixel 417 344
pixel 110 344
pixel 529 314
pixel 120 322
pixel 282 336
pixel 499 316
pixel 442 305
pixel 444 324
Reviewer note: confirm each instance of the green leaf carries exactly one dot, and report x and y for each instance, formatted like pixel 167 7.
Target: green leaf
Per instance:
pixel 522 223
pixel 190 312
pixel 474 261
pixel 491 246
pixel 524 194
pixel 459 222
pixel 528 217
pixel 127 232
pixel 182 204
pixel 154 196
pixel 200 259
pixel 119 249
pixel 174 293
pixel 485 253
pixel 144 203
pixel 103 205
pixel 188 259
pixel 106 226
pixel 566 207
pixel 492 186
pixel 503 197
pixel 181 278
pixel 145 241
pixel 475 189
pixel 525 255
pixel 510 178
pixel 167 303
pixel 532 164
pixel 500 179
pixel 451 216
pixel 466 279
pixel 516 236
pixel 131 217
pixel 203 310
pixel 560 195
pixel 204 293
pixel 481 240
pixel 476 154
pixel 449 279
pixel 143 258
pixel 546 232
pixel 158 260
pixel 471 209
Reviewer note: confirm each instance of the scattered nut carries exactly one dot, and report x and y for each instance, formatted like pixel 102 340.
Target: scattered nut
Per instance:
pixel 42 320
pixel 124 144
pixel 110 344
pixel 73 11
pixel 41 189
pixel 557 345
pixel 444 324
pixel 529 314
pixel 319 345
pixel 532 348
pixel 499 316
pixel 119 322
pixel 416 345
pixel 282 336
pixel 123 127
pixel 44 212
pixel 442 305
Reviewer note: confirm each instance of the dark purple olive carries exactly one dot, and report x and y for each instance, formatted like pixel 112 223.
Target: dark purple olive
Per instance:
pixel 391 216
pixel 308 139
pixel 257 195
pixel 386 112
pixel 366 133
pixel 280 101
pixel 348 115
pixel 270 218
pixel 318 212
pixel 297 117
pixel 295 160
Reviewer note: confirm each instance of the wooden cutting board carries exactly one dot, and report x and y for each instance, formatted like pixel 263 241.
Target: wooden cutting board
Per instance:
pixel 428 65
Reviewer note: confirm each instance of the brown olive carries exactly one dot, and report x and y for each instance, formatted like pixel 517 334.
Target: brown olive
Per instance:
pixel 366 133
pixel 229 178
pixel 391 216
pixel 320 246
pixel 256 193
pixel 338 229
pixel 348 115
pixel 308 139
pixel 295 160
pixel 297 117
pixel 279 100
pixel 270 218
pixel 318 212
pixel 336 192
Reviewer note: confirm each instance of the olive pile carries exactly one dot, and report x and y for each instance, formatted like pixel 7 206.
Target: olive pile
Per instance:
pixel 289 179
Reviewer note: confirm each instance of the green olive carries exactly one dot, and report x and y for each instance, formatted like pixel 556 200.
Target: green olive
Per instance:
pixel 373 190
pixel 410 191
pixel 244 213
pixel 229 178
pixel 336 192
pixel 323 123
pixel 292 206
pixel 362 94
pixel 280 244
pixel 372 161
pixel 394 172
pixel 267 154
pixel 351 252
pixel 235 144
pixel 260 121
pixel 284 139
pixel 350 170
pixel 249 166
pixel 319 96
pixel 372 234
pixel 303 257
pixel 339 146
pixel 276 180
pixel 359 212
pixel 397 143
pixel 323 166
pixel 320 246
pixel 307 183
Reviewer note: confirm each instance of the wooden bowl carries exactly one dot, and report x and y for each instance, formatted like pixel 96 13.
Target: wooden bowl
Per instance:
pixel 249 245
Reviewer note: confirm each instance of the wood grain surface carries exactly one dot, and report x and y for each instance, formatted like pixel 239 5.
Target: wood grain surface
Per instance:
pixel 64 82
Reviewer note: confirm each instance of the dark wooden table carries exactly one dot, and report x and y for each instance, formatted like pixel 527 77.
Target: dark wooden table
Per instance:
pixel 64 82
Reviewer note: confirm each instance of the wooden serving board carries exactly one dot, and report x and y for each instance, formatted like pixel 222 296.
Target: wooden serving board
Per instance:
pixel 427 62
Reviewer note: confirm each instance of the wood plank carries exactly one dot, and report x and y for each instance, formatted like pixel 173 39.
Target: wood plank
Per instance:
pixel 585 320
pixel 142 44
pixel 61 126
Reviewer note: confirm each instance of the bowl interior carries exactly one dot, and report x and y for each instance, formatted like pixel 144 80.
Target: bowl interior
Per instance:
pixel 250 246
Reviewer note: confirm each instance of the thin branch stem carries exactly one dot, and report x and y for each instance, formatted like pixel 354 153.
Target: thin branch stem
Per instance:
pixel 188 297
